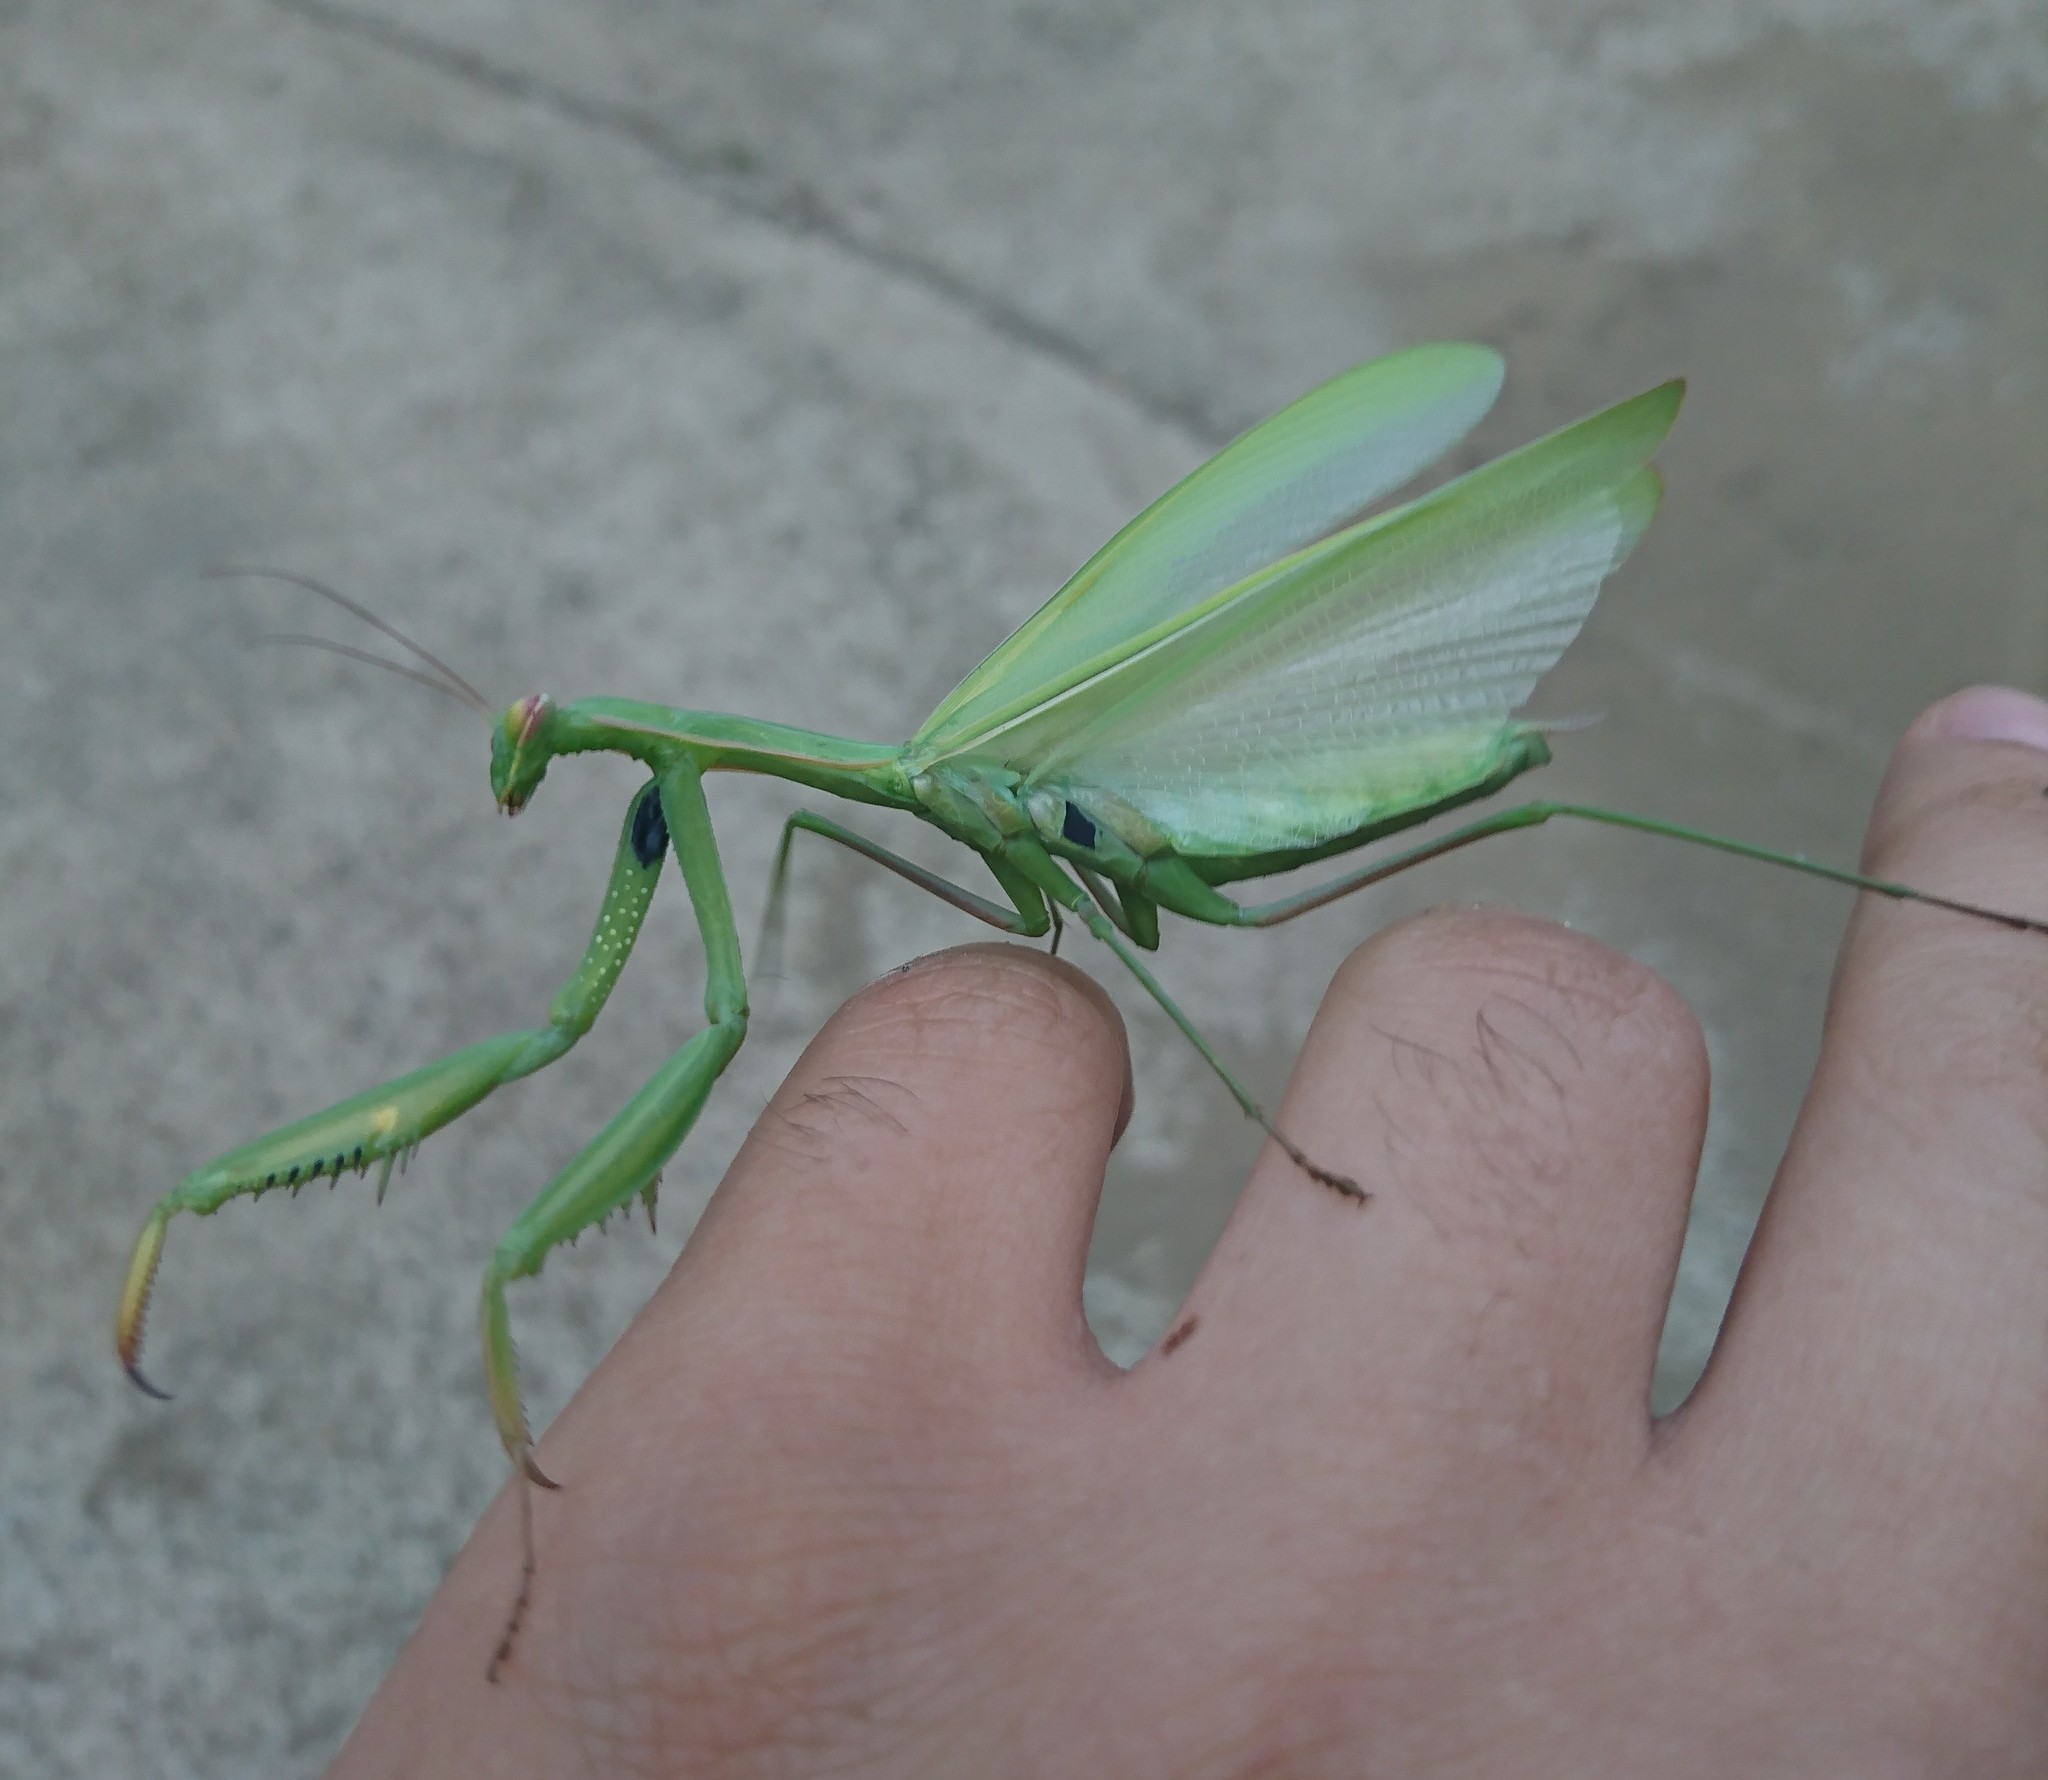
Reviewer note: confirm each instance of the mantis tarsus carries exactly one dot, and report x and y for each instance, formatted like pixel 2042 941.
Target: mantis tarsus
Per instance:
pixel 1236 685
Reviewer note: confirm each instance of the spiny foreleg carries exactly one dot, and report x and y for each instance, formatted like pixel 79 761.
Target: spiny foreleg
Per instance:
pixel 384 1126
pixel 625 1158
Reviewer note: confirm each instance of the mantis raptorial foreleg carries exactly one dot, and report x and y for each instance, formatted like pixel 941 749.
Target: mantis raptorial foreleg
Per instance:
pixel 624 1158
pixel 384 1125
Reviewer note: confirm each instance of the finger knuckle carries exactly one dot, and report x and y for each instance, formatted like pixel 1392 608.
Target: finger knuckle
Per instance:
pixel 980 996
pixel 979 1019
pixel 1536 1032
pixel 1586 1007
pixel 1981 837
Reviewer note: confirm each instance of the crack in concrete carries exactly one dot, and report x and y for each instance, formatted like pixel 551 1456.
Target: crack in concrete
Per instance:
pixel 796 209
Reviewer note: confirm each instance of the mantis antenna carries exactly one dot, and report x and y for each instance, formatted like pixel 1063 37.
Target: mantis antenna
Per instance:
pixel 443 679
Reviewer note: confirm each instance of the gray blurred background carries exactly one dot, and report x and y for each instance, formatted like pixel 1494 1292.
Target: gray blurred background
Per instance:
pixel 779 356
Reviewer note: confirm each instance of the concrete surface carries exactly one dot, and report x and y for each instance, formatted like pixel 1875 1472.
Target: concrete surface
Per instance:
pixel 780 356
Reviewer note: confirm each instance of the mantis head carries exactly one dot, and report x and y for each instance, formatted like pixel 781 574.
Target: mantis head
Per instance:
pixel 521 748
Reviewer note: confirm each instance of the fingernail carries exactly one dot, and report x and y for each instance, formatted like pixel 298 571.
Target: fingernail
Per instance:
pixel 1991 714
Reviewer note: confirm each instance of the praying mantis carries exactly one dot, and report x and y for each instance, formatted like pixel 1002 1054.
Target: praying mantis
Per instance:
pixel 1245 680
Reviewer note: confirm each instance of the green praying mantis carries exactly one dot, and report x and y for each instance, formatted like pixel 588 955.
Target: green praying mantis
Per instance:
pixel 1238 684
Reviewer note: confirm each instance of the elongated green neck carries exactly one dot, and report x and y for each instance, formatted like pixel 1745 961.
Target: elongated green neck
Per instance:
pixel 868 772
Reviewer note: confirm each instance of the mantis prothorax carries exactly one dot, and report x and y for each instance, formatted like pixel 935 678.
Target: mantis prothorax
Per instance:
pixel 1237 684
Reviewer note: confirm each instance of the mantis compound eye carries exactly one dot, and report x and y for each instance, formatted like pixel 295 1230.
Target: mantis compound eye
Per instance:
pixel 524 719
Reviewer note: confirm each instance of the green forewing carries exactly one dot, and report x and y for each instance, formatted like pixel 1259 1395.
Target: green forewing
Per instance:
pixel 1286 482
pixel 1371 673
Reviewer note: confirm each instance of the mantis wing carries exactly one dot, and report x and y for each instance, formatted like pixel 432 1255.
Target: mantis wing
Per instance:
pixel 1372 673
pixel 1287 481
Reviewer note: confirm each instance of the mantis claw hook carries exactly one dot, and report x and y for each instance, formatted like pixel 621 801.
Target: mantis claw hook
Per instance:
pixel 142 1384
pixel 128 1320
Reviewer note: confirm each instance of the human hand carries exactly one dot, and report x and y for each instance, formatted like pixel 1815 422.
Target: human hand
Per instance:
pixel 857 1494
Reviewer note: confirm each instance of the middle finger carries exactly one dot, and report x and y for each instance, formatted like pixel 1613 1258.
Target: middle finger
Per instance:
pixel 1526 1108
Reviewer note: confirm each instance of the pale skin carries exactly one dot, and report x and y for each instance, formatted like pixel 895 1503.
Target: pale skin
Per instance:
pixel 858 1495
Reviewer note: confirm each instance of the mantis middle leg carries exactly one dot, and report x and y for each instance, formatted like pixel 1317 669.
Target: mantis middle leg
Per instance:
pixel 1039 867
pixel 1031 917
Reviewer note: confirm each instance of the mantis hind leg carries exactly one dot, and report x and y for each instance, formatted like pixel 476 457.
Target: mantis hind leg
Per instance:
pixel 1532 815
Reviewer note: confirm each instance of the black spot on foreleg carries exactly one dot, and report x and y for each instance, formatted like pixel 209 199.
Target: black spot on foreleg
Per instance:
pixel 650 826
